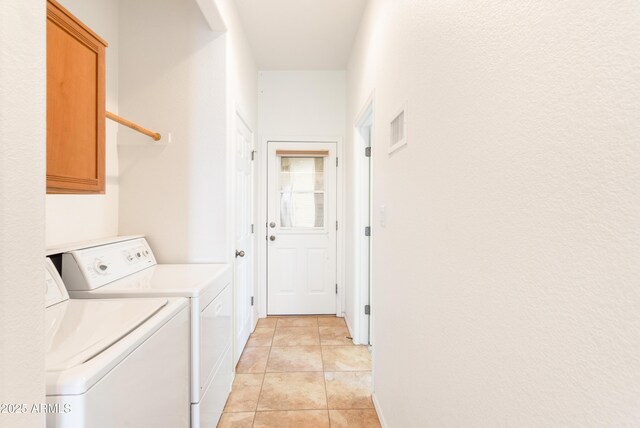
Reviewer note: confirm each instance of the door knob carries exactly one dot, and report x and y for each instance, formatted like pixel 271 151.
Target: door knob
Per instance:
pixel 272 238
pixel 239 253
pixel 272 224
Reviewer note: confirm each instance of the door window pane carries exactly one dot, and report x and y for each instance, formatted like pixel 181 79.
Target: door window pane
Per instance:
pixel 302 174
pixel 302 192
pixel 302 209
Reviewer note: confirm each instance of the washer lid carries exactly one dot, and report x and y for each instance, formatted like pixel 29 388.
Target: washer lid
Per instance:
pixel 78 330
pixel 177 280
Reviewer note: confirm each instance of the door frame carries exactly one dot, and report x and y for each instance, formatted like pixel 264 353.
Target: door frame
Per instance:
pixel 363 275
pixel 262 216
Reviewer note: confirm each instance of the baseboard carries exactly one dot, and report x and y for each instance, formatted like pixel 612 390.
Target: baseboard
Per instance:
pixel 376 404
pixel 350 328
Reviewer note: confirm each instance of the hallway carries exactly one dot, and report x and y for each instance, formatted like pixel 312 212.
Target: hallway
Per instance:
pixel 301 372
pixel 457 183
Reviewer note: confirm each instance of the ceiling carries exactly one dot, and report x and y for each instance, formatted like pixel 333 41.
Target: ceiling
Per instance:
pixel 301 34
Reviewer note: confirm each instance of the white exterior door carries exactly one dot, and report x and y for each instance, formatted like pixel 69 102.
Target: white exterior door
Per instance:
pixel 301 228
pixel 243 235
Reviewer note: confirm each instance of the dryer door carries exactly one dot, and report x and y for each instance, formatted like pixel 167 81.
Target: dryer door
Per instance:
pixel 215 335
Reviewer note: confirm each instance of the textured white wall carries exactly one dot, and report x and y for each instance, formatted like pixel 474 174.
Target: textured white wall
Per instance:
pixel 294 104
pixel 506 280
pixel 22 207
pixel 242 98
pixel 179 76
pixel 72 218
pixel 301 103
pixel 172 76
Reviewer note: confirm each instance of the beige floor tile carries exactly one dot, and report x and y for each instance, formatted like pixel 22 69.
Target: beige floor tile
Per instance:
pixel 348 390
pixel 296 336
pixel 295 359
pixel 293 391
pixel 330 335
pixel 267 322
pixel 346 358
pixel 332 321
pixel 244 393
pixel 261 337
pixel 253 360
pixel 236 420
pixel 294 419
pixel 354 419
pixel 293 321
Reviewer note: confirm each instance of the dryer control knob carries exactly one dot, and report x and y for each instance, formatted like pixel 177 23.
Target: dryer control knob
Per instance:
pixel 101 267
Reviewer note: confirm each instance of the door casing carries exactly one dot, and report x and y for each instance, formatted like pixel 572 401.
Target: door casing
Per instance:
pixel 262 219
pixel 363 216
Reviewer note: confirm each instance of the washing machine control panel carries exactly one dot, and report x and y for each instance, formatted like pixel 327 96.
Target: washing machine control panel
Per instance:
pixel 90 268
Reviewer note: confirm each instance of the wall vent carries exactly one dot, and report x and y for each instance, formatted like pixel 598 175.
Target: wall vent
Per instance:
pixel 398 130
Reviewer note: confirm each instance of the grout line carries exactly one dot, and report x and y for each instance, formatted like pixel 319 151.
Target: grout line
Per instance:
pixel 300 410
pixel 324 378
pixel 264 375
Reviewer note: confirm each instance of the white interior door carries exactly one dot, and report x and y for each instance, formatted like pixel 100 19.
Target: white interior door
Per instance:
pixel 301 228
pixel 243 235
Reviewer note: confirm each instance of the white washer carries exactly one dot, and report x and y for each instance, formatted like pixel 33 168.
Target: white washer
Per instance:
pixel 116 362
pixel 129 269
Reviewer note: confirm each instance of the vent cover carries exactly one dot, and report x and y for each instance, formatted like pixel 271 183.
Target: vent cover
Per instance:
pixel 398 130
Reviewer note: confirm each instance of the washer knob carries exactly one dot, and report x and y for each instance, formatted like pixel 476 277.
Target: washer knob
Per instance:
pixel 101 267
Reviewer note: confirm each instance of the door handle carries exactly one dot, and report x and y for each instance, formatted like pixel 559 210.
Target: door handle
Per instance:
pixel 272 238
pixel 239 253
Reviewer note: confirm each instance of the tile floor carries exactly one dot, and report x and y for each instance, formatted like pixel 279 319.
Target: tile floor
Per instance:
pixel 301 372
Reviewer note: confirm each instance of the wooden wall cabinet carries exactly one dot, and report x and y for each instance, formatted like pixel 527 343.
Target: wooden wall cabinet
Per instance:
pixel 75 105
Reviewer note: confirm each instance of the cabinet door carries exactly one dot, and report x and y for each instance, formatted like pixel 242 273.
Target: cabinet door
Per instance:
pixel 75 105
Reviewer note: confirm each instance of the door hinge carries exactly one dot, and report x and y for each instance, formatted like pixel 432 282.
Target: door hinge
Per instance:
pixel 336 225
pixel 367 309
pixel 367 152
pixel 251 300
pixel 367 231
pixel 336 162
pixel 253 155
pixel 336 288
pixel 252 228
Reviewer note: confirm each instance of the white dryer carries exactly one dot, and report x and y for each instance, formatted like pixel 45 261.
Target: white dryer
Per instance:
pixel 129 269
pixel 116 362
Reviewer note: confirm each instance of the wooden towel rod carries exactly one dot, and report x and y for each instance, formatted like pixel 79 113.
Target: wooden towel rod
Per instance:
pixel 156 136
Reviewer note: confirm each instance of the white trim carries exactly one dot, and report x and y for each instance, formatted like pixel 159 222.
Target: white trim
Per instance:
pixel 405 125
pixel 232 110
pixel 362 284
pixel 378 409
pixel 254 286
pixel 367 105
pixel 254 312
pixel 350 327
pixel 261 226
pixel 240 115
